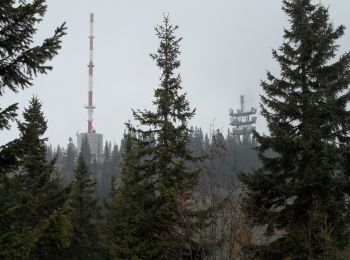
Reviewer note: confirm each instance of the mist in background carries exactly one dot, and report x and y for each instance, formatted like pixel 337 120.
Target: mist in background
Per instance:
pixel 226 50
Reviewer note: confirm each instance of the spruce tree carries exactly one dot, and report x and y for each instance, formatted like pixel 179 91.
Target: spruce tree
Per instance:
pixel 115 161
pixel 21 60
pixel 106 176
pixel 130 223
pixel 95 169
pixel 86 151
pixel 59 155
pixel 196 141
pixel 69 162
pixel 164 156
pixel 301 195
pixel 33 223
pixel 84 214
pixel 49 153
pixel 106 165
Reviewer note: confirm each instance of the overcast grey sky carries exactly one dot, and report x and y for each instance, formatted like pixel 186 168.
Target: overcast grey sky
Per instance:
pixel 225 52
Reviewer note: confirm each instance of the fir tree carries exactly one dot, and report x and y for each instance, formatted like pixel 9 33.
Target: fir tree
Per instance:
pixel 130 221
pixel 115 161
pixel 33 223
pixel 122 146
pixel 28 219
pixel 20 59
pixel 69 162
pixel 49 153
pixel 106 176
pixel 86 151
pixel 163 140
pixel 106 160
pixel 84 212
pixel 59 155
pixel 196 141
pixel 301 195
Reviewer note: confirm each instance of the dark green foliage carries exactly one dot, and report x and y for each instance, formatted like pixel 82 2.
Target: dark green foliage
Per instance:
pixel 86 151
pixel 130 220
pixel 20 60
pixel 84 214
pixel 32 142
pixel 157 171
pixel 106 176
pixel 302 194
pixel 6 115
pixel 110 170
pixel 115 162
pixel 241 156
pixel 196 140
pixel 233 157
pixel 95 168
pixel 33 223
pixel 69 162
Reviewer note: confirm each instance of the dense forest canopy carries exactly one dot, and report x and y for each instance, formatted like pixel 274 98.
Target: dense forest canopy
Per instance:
pixel 172 191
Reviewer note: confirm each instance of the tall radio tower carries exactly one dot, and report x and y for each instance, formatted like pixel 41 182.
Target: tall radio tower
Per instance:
pixel 94 139
pixel 90 107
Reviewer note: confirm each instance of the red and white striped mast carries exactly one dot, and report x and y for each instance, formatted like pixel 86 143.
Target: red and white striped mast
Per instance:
pixel 90 107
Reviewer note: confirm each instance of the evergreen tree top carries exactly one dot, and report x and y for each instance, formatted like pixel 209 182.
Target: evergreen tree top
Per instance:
pixel 85 212
pixel 311 73
pixel 34 124
pixel 20 59
pixel 83 179
pixel 70 147
pixel 302 190
pixel 169 49
pixel 69 157
pixel 32 142
pixel 172 106
pixel 107 151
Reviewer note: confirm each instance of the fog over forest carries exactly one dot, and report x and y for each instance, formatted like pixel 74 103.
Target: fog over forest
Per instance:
pixel 225 52
pixel 189 130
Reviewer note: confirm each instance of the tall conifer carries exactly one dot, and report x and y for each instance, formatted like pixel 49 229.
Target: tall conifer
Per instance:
pixel 106 176
pixel 301 195
pixel 130 218
pixel 159 167
pixel 33 223
pixel 85 213
pixel 20 59
pixel 69 162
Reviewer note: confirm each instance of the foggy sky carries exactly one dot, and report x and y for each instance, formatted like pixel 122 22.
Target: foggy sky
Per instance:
pixel 226 50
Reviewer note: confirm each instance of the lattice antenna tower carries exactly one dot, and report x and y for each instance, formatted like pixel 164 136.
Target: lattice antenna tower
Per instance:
pixel 243 122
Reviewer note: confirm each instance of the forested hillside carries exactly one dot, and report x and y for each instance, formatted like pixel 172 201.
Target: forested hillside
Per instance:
pixel 232 156
pixel 171 191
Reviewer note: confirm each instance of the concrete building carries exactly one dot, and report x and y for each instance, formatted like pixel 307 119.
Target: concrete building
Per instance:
pixel 95 143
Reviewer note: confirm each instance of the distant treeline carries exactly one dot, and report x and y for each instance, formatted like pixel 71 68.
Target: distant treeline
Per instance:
pixel 233 156
pixel 170 191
